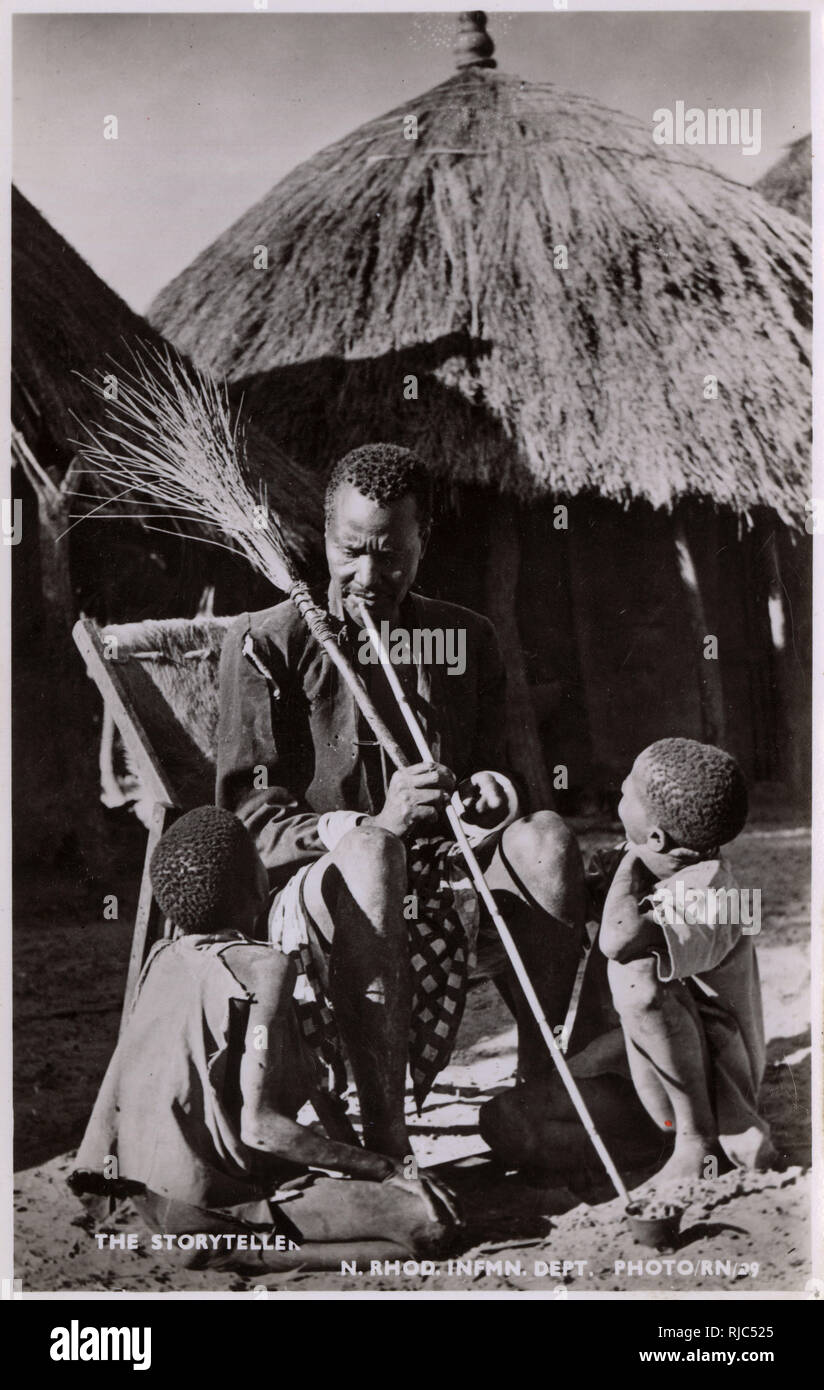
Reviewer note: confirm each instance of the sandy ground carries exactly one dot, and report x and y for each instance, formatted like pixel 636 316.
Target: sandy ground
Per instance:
pixel 748 1233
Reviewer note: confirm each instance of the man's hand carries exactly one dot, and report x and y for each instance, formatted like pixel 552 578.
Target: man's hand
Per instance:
pixel 440 1199
pixel 485 800
pixel 416 797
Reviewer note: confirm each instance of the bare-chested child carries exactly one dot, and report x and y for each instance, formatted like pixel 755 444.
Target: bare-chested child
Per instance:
pixel 683 977
pixel 196 1117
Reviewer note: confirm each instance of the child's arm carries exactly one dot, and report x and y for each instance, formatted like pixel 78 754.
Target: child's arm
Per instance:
pixel 268 977
pixel 626 932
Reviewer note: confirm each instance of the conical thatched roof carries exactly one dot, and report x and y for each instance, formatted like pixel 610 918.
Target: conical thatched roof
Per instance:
pixel 65 320
pixel 789 183
pixel 67 324
pixel 389 256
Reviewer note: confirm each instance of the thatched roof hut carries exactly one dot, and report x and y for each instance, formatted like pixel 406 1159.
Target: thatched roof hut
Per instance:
pixel 594 372
pixel 789 183
pixel 67 324
pixel 548 305
pixel 69 328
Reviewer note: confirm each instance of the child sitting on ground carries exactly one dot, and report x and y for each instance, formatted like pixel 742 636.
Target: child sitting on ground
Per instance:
pixel 196 1119
pixel 682 964
pixel 683 977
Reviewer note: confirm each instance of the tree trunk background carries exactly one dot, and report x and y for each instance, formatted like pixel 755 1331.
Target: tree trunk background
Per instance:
pixel 708 671
pixel 502 573
pixel 792 674
pixel 55 570
pixel 57 818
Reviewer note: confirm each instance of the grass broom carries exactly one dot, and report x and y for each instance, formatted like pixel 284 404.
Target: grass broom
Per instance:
pixel 173 453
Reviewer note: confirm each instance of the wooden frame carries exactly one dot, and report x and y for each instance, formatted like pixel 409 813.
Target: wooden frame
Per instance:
pixel 103 669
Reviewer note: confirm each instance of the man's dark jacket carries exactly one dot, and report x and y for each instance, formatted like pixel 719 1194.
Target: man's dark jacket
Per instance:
pixel 291 744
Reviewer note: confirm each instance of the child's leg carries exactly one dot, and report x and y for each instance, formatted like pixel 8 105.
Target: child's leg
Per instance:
pixel 666 1056
pixel 336 1218
pixel 732 1023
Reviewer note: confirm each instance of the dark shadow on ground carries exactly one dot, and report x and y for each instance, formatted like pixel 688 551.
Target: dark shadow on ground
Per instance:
pixel 786 1098
pixel 500 1206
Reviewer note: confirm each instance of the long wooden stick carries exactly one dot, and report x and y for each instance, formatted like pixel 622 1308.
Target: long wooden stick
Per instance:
pixel 317 621
pixel 453 816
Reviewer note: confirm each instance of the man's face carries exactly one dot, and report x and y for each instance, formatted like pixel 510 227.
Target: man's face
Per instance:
pixel 373 550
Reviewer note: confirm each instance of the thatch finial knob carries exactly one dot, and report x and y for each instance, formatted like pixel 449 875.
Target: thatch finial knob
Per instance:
pixel 474 47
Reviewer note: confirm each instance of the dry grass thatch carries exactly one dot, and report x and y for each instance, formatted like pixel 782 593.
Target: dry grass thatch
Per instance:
pixel 542 380
pixel 69 329
pixel 789 183
pixel 66 323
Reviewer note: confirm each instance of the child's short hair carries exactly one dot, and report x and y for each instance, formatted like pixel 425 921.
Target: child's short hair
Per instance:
pixel 196 866
pixel 696 792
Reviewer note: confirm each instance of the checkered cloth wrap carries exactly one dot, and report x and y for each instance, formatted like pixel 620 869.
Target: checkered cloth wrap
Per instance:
pixel 440 947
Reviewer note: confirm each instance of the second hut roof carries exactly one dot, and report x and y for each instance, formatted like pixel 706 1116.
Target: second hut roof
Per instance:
pixel 789 183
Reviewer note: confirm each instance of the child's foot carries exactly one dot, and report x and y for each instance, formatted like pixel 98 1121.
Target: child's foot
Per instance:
pixel 752 1149
pixel 766 1158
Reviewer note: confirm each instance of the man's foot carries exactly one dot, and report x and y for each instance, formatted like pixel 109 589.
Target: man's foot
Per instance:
pixel 688 1162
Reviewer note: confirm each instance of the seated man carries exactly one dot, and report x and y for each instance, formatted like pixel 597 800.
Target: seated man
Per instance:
pixel 370 898
pixel 684 979
pixel 195 1120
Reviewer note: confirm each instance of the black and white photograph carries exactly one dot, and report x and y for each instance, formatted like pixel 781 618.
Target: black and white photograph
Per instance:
pixel 409 521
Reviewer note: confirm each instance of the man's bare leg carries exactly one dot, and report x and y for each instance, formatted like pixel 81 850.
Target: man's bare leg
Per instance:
pixel 536 1126
pixel 537 879
pixel 666 1059
pixel 355 897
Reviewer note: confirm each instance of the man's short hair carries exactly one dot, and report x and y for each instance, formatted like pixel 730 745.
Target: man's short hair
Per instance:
pixel 384 473
pixel 196 868
pixel 695 791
